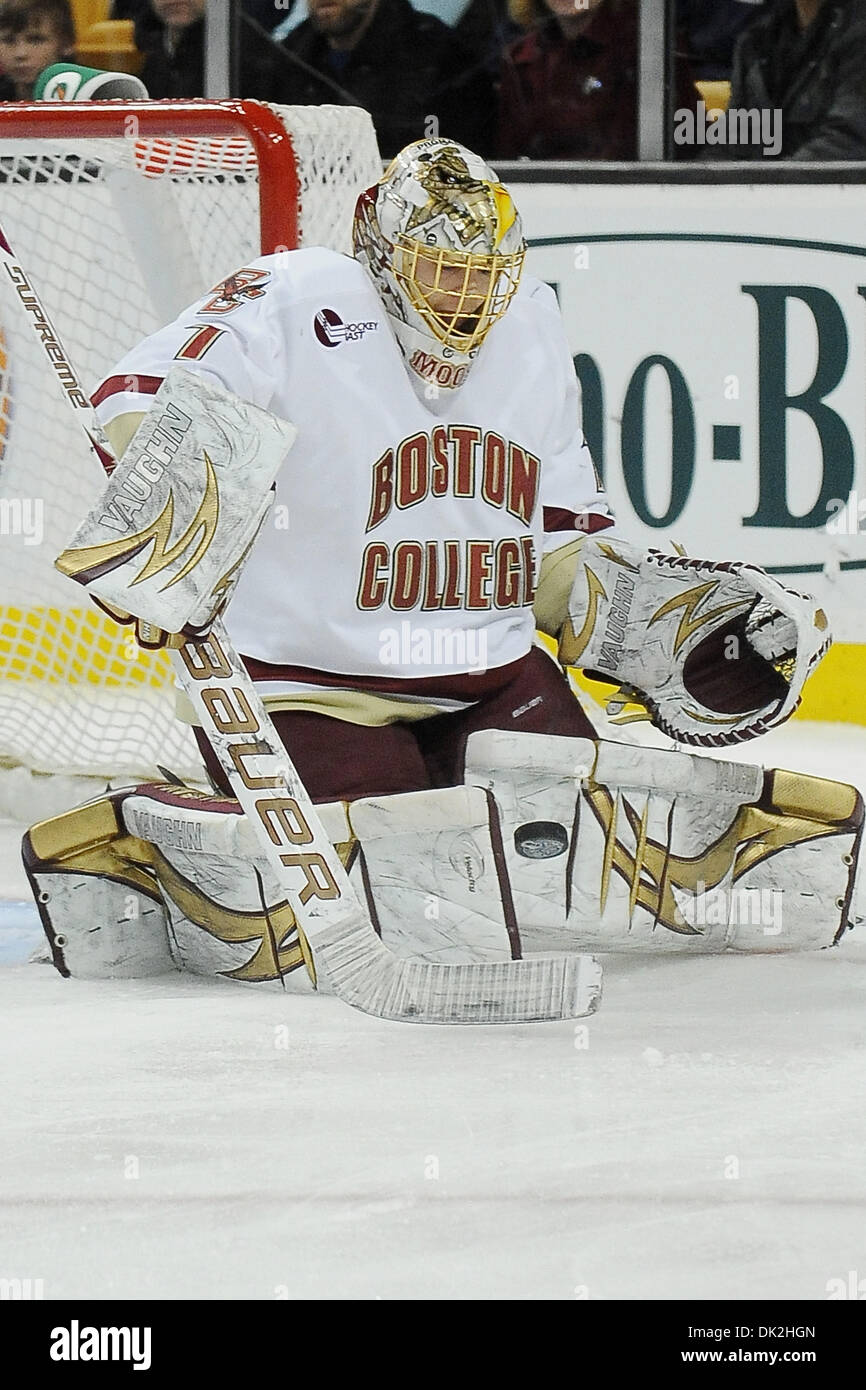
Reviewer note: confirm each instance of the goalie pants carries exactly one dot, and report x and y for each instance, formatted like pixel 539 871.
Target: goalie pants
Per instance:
pixel 337 760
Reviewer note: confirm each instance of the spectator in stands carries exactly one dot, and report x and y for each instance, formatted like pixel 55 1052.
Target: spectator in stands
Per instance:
pixel 265 12
pixel 33 35
pixel 568 88
pixel 170 34
pixel 807 60
pixel 406 68
pixel 710 29
pixel 486 27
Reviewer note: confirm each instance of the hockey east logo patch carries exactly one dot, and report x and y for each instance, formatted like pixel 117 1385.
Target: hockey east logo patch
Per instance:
pixel 331 331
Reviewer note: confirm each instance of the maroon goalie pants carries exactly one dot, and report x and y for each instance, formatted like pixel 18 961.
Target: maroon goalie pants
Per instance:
pixel 337 760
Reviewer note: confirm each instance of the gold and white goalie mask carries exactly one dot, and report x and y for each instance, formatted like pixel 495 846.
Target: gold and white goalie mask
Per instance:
pixel 443 243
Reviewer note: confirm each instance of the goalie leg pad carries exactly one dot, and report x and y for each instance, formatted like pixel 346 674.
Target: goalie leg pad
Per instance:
pixel 555 844
pixel 799 850
pixel 655 850
pixel 428 864
pixel 159 878
pixel 434 874
pixel 100 907
pixel 227 914
pixel 187 867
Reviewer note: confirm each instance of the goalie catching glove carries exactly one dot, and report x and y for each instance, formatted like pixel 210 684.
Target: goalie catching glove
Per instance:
pixel 165 544
pixel 717 652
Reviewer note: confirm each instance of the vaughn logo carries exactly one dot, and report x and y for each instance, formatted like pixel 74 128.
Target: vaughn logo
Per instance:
pixel 331 331
pixel 76 1343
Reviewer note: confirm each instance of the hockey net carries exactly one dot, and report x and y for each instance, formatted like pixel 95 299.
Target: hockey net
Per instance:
pixel 121 214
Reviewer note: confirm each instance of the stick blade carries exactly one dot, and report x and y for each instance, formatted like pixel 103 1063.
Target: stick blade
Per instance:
pixel 540 989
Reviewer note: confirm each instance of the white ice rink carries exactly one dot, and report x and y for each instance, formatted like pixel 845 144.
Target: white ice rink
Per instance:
pixel 702 1137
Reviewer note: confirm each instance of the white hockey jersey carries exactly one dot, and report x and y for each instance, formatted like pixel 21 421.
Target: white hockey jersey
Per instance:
pixel 407 531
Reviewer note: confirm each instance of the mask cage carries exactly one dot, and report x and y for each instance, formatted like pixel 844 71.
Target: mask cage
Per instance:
pixel 458 294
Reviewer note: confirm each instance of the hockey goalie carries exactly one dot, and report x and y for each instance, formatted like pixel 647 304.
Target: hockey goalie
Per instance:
pixel 373 467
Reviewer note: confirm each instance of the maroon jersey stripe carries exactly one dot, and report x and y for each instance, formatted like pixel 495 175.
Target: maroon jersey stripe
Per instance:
pixel 116 385
pixel 471 685
pixel 558 519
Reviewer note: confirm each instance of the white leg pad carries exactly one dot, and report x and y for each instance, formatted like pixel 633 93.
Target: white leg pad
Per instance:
pixel 100 929
pixel 614 847
pixel 226 912
pixel 102 914
pixel 434 873
pixel 161 878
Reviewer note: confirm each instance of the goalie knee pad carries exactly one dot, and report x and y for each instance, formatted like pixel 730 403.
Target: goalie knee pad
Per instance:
pixel 616 847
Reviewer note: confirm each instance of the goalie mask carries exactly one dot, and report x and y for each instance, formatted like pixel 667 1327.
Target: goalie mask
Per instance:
pixel 443 243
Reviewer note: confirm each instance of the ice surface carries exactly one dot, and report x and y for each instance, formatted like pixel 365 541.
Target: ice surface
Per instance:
pixel 702 1137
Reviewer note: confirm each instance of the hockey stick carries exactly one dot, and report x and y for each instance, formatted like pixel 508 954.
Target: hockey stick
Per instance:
pixel 332 919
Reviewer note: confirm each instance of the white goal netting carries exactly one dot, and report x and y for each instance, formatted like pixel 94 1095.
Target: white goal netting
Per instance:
pixel 117 235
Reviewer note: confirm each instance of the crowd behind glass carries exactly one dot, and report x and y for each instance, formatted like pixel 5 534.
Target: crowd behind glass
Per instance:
pixel 513 79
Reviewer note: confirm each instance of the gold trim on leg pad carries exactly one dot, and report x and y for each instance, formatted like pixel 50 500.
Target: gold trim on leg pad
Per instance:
pixel 97 898
pixel 812 798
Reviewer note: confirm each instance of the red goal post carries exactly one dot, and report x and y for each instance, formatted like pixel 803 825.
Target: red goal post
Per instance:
pixel 198 124
pixel 122 213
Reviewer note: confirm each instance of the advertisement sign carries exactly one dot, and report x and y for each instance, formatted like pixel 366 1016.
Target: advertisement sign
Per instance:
pixel 719 335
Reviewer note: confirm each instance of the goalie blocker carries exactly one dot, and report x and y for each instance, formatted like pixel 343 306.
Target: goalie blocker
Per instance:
pixel 181 510
pixel 551 843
